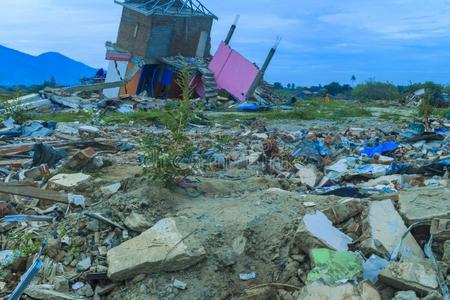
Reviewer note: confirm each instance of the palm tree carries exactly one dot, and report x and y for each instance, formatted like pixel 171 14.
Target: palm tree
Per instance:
pixel 353 79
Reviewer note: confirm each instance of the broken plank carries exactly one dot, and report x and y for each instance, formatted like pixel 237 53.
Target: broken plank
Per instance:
pixel 15 149
pixel 14 162
pixel 24 190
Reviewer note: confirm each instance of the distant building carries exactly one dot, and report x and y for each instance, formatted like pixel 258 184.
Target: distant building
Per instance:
pixel 153 31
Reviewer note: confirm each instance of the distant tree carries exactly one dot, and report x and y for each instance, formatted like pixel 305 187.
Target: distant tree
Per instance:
pixel 333 88
pixel 373 90
pixel 289 86
pixel 278 85
pixel 353 79
pixel 293 86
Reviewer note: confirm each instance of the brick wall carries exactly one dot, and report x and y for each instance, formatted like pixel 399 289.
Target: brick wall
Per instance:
pixel 135 45
pixel 184 40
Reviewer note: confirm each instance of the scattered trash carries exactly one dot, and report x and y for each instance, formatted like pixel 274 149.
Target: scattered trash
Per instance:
pixel 247 276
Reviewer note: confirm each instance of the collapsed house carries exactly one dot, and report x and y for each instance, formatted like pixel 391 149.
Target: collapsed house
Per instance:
pixel 158 38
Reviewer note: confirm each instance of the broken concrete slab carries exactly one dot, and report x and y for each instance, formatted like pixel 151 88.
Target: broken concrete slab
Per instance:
pixel 165 247
pixel 424 204
pixel 43 293
pixel 68 182
pixel 111 189
pixel 316 231
pixel 137 222
pixel 386 228
pixel 418 276
pixel 319 291
pixel 333 267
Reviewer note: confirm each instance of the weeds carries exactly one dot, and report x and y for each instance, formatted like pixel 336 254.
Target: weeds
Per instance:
pixel 14 110
pixel 23 242
pixel 166 155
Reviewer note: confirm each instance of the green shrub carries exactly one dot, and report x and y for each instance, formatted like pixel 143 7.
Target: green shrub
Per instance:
pixel 376 91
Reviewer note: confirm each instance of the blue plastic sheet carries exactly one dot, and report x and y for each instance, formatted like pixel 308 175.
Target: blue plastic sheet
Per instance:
pixel 372 268
pixel 312 149
pixel 397 168
pixel 414 129
pixel 248 107
pixel 380 149
pixel 443 162
pixel 37 129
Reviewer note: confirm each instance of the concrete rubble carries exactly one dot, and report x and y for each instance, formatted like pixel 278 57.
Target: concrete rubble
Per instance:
pixel 386 229
pixel 319 291
pixel 424 204
pixel 416 276
pixel 120 190
pixel 330 227
pixel 162 247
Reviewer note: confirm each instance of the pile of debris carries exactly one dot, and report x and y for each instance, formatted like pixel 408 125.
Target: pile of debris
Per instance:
pixel 272 213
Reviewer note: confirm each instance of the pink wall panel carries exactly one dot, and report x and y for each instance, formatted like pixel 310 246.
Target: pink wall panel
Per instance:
pixel 233 72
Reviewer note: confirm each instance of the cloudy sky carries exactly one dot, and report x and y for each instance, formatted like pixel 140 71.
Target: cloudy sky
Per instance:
pixel 322 40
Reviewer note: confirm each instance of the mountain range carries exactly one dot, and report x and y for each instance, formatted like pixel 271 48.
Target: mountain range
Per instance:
pixel 18 68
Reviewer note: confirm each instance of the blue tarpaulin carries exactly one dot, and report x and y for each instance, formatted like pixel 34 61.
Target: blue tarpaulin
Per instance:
pixel 380 149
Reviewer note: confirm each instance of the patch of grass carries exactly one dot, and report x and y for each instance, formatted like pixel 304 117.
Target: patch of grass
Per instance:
pixel 394 117
pixel 62 117
pixel 306 110
pixel 137 117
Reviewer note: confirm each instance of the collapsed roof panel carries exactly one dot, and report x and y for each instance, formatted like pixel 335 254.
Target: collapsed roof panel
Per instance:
pixel 178 8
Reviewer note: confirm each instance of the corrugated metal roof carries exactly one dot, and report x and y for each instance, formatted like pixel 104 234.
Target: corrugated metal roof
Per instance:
pixel 179 8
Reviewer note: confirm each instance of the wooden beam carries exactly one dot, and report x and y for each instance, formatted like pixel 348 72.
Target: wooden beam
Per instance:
pixel 25 190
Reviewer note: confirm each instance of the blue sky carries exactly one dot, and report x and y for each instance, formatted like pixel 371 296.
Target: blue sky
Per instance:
pixel 322 41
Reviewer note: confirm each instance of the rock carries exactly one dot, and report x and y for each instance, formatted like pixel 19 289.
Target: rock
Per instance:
pixel 440 229
pixel 86 290
pixel 6 209
pixel 84 264
pixel 316 231
pixel 332 267
pixel 8 257
pixel 386 228
pixel 239 244
pixel 68 182
pixel 39 292
pixel 77 285
pixel 80 159
pixel 410 275
pixel 61 284
pixel 320 291
pixel 424 204
pixel 406 295
pixel 88 131
pixel 137 222
pixel 446 256
pixel 344 210
pixel 179 284
pixel 111 189
pixel 433 296
pixel 164 247
pixel 92 226
pixel 307 175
